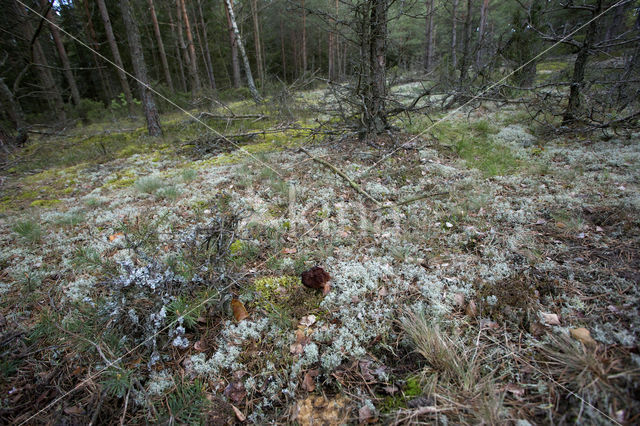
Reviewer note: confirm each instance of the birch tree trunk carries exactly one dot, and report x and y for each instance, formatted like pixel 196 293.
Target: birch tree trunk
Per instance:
pixel 193 65
pixel 140 70
pixel 62 53
pixel 116 56
pixel 245 59
pixel 235 63
pixel 163 55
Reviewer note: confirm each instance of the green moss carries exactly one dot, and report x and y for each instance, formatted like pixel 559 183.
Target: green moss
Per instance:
pixel 45 203
pixel 395 402
pixel 285 298
pixel 236 247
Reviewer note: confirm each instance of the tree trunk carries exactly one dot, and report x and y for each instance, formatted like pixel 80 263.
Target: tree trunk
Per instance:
pixel 245 58
pixel 207 52
pixel 193 62
pixel 38 58
pixel 466 44
pixel 454 42
pixel 282 51
pixel 140 70
pixel 375 117
pixel 484 11
pixel 304 38
pixel 235 63
pixel 64 59
pixel 181 50
pixel 163 55
pixel 257 41
pixel 116 56
pixel 106 85
pixel 11 106
pixel 577 79
pixel 429 37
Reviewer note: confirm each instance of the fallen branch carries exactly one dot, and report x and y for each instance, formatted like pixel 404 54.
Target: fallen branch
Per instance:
pixel 343 175
pixel 233 117
pixel 413 199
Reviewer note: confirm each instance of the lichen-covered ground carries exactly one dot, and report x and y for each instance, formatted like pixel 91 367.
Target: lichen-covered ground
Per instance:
pixel 497 281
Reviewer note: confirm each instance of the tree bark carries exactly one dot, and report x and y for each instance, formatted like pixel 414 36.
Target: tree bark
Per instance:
pixel 140 70
pixel 163 55
pixel 304 38
pixel 375 117
pixel 484 11
pixel 429 37
pixel 106 85
pixel 11 106
pixel 193 62
pixel 207 52
pixel 577 79
pixel 116 56
pixel 243 53
pixel 257 41
pixel 466 43
pixel 235 63
pixel 178 51
pixel 64 59
pixel 454 42
pixel 38 58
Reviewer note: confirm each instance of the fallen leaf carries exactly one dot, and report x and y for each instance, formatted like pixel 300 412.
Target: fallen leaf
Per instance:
pixel 239 311
pixel 421 401
pixel 241 417
pixel 599 229
pixel 296 348
pixel 235 391
pixel 550 319
pixel 472 310
pixel 199 346
pixel 540 222
pixel 448 224
pixel 583 335
pixel 366 415
pixel 382 292
pixel 309 383
pixel 391 390
pixel 514 389
pixel 458 299
pixel 317 410
pixel 74 411
pixel 488 324
pixel 114 236
pixel 308 320
pixel 365 370
pixel 292 250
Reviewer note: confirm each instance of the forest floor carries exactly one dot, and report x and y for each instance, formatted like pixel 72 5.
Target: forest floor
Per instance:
pixel 495 280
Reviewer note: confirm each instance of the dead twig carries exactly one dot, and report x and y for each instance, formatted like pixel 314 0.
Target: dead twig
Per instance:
pixel 343 175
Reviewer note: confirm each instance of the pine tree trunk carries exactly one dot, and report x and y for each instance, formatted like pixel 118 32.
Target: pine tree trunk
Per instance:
pixel 38 58
pixel 257 41
pixel 116 56
pixel 140 70
pixel 466 44
pixel 579 66
pixel 375 117
pixel 454 34
pixel 178 51
pixel 64 59
pixel 163 55
pixel 193 62
pixel 304 38
pixel 207 52
pixel 235 63
pixel 429 37
pixel 484 10
pixel 12 107
pixel 243 53
pixel 107 90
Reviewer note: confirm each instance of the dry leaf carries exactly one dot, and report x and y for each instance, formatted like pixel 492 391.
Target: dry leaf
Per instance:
pixel 239 311
pixel 550 319
pixel 366 415
pixel 472 310
pixel 292 250
pixel 514 389
pixel 296 348
pixel 583 335
pixel 308 320
pixel 235 391
pixel 391 390
pixel 199 346
pixel 241 417
pixel 458 299
pixel 75 410
pixel 316 410
pixel 114 236
pixel 309 383
pixel 382 292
